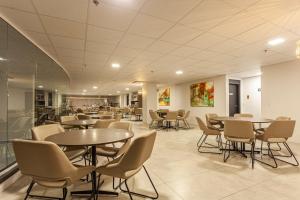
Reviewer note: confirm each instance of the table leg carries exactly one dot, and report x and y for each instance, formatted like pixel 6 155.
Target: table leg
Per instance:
pixel 94 190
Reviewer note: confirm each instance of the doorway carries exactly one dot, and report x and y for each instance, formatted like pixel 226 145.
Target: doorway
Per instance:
pixel 234 96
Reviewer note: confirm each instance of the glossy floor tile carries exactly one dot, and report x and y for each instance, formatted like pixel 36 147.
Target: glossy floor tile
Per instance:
pixel 180 172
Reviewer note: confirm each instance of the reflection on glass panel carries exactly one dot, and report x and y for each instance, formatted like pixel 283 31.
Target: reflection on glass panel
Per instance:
pixel 23 68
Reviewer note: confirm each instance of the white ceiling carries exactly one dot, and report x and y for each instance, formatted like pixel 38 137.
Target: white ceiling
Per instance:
pixel 151 39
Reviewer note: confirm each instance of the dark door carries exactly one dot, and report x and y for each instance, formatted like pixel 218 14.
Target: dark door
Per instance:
pixel 234 97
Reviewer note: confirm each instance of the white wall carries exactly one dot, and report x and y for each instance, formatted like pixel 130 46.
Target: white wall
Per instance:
pixel 251 96
pixel 280 92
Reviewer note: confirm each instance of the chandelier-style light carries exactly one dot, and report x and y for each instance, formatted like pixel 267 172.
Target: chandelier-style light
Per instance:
pixel 298 49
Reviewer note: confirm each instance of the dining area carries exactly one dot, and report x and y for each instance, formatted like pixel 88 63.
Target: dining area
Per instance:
pixel 64 156
pixel 263 140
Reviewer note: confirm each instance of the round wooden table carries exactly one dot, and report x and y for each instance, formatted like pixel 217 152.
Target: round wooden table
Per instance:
pixel 91 137
pixel 86 123
pixel 252 119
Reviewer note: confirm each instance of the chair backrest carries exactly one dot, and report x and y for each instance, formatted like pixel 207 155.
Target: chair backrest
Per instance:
pixel 280 129
pixel 68 118
pixel 83 117
pixel 238 129
pixel 152 115
pixel 138 152
pixel 282 118
pixel 42 160
pixel 247 115
pixel 121 125
pixel 187 114
pixel 118 117
pixel 138 111
pixel 208 117
pixel 103 123
pixel 201 124
pixel 181 112
pixel 43 131
pixel 171 115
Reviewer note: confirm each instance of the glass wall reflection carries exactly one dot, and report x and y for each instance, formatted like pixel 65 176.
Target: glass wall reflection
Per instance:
pixel 26 75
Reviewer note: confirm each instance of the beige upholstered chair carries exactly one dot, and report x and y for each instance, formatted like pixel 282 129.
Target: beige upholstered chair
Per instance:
pixel 68 118
pixel 47 164
pixel 155 119
pixel 138 113
pixel 205 133
pixel 278 133
pixel 40 133
pixel 238 131
pixel 171 117
pixel 181 112
pixel 213 124
pixel 113 152
pixel 103 123
pixel 131 163
pixel 283 118
pixel 83 117
pixel 184 119
pixel 246 115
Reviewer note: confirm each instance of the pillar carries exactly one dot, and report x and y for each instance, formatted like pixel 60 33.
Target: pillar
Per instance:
pixel 149 93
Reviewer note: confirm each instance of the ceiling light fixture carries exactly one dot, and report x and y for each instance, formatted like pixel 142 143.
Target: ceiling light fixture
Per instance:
pixel 118 92
pixel 2 59
pixel 109 94
pixel 40 86
pixel 115 65
pixel 179 72
pixel 127 89
pixel 84 90
pixel 276 41
pixel 95 87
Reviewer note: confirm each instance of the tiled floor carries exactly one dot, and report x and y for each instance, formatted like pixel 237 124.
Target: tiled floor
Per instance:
pixel 181 173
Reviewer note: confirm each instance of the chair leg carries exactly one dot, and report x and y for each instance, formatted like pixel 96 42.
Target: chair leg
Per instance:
pixel 138 194
pixel 65 192
pixel 270 153
pixel 252 154
pixel 225 149
pixel 291 155
pixel 29 190
pixel 202 143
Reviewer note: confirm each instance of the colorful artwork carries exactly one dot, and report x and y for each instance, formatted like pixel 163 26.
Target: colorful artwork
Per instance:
pixel 164 97
pixel 202 94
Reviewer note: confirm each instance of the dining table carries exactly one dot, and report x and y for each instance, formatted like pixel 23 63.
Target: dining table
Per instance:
pixel 91 138
pixel 79 123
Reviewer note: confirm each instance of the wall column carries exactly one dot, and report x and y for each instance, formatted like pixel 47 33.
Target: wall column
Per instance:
pixel 149 100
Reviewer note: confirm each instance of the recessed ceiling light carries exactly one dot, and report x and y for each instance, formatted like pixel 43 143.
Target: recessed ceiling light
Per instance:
pixel 115 65
pixel 127 88
pixel 178 72
pixel 95 87
pixel 118 92
pixel 40 86
pixel 109 94
pixel 276 41
pixel 56 90
pixel 84 90
pixel 2 59
pixel 82 93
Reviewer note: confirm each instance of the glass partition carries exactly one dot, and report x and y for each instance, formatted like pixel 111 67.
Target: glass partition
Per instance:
pixel 25 73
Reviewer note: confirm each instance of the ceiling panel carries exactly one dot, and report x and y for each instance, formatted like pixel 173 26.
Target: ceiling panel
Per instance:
pixel 206 40
pixel 180 34
pixel 68 43
pixel 171 10
pixel 162 47
pixel 62 27
pixel 112 17
pixel 148 26
pixel 17 4
pixel 103 35
pixel 66 9
pixel 135 41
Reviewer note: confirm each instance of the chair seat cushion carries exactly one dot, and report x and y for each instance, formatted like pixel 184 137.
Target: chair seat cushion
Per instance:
pixel 107 151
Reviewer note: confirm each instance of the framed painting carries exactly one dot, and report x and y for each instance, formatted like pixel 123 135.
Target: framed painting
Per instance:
pixel 164 97
pixel 202 94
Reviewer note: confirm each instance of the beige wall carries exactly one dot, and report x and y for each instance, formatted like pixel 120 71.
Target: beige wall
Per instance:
pixel 280 92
